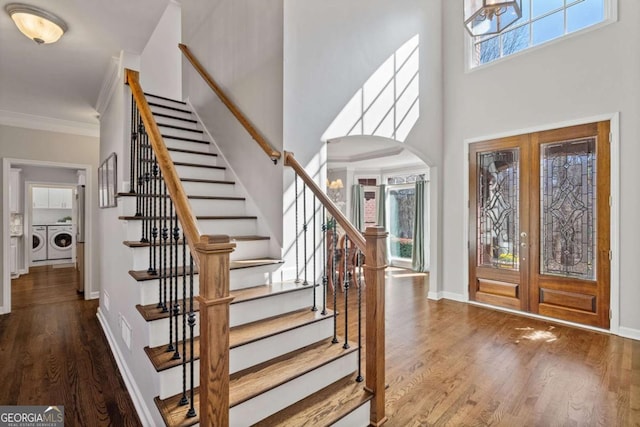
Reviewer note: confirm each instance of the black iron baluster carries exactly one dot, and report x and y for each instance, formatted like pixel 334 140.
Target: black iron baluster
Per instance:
pixel 315 250
pixel 297 234
pixel 345 263
pixel 134 137
pixel 359 378
pixel 334 276
pixel 136 175
pixel 192 322
pixel 325 279
pixel 153 247
pixel 184 400
pixel 170 347
pixel 176 304
pixel 304 231
pixel 165 236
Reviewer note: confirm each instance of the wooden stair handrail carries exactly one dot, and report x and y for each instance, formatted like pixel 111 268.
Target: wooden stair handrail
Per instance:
pixel 165 164
pixel 350 230
pixel 244 121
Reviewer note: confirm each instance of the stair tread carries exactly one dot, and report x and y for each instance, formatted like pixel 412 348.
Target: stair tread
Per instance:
pixel 183 150
pixel 195 165
pixel 165 125
pixel 323 408
pixel 203 217
pixel 151 312
pixel 188 197
pixel 143 275
pixel 207 181
pixel 168 116
pixel 256 380
pixel 165 98
pixel 184 138
pixel 238 335
pixel 155 104
pixel 254 331
pixel 138 244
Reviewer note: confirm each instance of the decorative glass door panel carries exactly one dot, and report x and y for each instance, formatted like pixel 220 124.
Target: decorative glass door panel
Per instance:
pixel 498 209
pixel 568 209
pixel 539 223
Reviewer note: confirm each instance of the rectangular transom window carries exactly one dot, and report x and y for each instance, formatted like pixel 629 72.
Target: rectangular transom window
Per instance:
pixel 542 21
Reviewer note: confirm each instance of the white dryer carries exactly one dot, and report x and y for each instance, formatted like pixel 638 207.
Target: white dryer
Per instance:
pixel 60 241
pixel 39 243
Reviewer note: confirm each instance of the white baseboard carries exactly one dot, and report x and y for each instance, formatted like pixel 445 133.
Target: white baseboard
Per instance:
pixel 436 296
pixel 634 334
pixel 136 396
pixel 94 295
pixel 2 310
pixel 454 296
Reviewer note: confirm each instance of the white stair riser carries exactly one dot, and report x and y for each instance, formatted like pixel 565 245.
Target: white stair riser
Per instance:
pixel 187 145
pixel 208 189
pixel 266 349
pixel 245 249
pixel 198 206
pixel 159 330
pixel 255 353
pixel 274 400
pixel 164 101
pixel 200 159
pixel 230 227
pixel 207 226
pixel 176 122
pixel 195 172
pixel 238 279
pixel 264 308
pixel 357 418
pixel 170 112
pixel 169 131
pixel 149 290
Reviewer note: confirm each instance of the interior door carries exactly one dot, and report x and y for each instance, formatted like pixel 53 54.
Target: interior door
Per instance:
pixel 539 223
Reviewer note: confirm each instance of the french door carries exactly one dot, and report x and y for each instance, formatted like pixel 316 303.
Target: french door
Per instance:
pixel 539 223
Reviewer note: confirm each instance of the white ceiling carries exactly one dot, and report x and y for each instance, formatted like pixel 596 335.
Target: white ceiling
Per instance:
pixel 369 152
pixel 62 80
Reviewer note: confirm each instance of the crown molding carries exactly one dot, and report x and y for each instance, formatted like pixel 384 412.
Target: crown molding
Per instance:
pixel 109 84
pixel 30 121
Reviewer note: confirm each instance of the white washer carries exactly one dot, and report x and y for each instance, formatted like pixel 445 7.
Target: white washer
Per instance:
pixel 39 243
pixel 60 241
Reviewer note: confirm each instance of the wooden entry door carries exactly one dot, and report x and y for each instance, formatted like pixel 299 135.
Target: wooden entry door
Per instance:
pixel 539 223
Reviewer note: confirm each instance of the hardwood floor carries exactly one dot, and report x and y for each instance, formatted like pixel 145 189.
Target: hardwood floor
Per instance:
pixel 448 363
pixel 454 364
pixel 53 352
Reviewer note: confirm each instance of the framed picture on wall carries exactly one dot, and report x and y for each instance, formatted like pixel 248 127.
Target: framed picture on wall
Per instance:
pixel 107 174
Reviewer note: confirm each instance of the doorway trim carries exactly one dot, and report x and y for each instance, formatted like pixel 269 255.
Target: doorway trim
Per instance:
pixel 614 118
pixel 7 163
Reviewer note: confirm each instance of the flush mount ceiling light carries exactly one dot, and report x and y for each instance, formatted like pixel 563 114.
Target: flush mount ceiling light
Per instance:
pixel 484 17
pixel 39 25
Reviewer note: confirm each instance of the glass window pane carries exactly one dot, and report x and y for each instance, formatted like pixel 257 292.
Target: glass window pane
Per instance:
pixel 540 7
pixel 488 50
pixel 526 9
pixel 401 214
pixel 515 40
pixel 498 213
pixel 568 209
pixel 548 28
pixel 584 14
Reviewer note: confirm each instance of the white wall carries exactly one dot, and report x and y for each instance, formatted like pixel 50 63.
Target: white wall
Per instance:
pixel 239 42
pixel 40 145
pixel 332 48
pixel 161 60
pixel 591 74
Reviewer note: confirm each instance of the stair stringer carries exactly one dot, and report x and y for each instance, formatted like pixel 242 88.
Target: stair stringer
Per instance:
pixel 275 249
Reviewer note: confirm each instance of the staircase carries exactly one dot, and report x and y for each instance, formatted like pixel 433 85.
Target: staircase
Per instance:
pixel 286 365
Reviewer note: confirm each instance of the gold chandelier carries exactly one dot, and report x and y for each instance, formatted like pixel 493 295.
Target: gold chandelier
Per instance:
pixel 484 17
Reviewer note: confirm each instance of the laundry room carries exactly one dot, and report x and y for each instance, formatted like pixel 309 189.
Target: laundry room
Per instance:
pixel 46 219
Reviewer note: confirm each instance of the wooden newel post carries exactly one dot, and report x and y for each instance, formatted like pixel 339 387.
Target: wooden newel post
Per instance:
pixel 374 271
pixel 214 300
